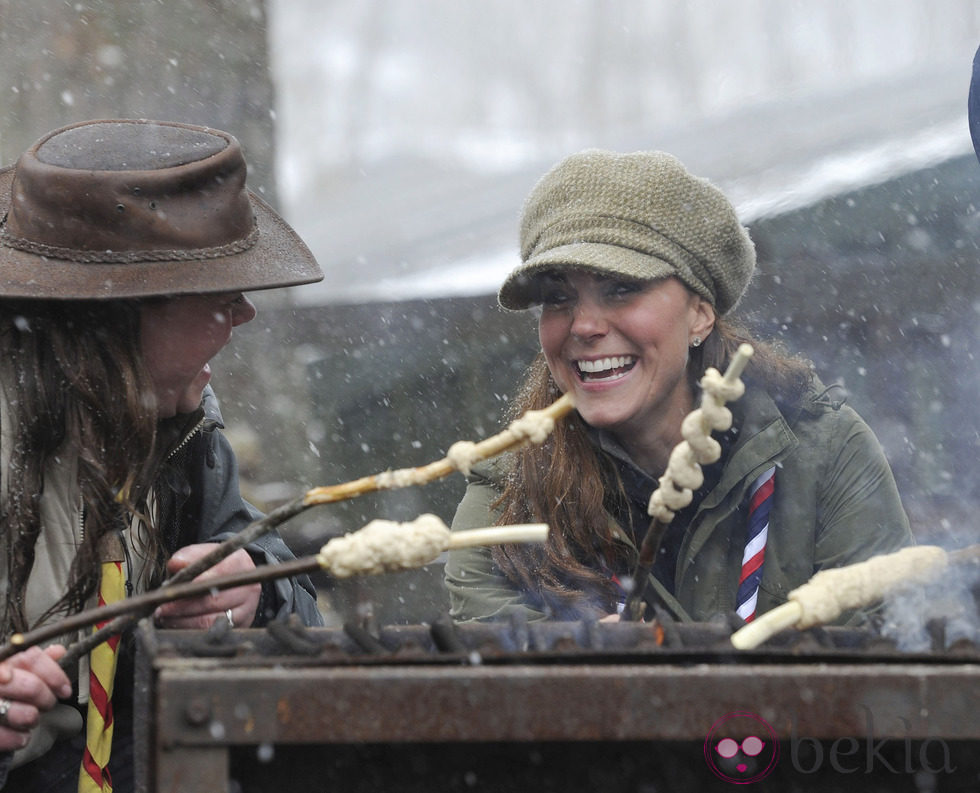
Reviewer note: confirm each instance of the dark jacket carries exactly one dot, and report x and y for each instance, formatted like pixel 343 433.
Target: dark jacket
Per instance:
pixel 835 503
pixel 202 503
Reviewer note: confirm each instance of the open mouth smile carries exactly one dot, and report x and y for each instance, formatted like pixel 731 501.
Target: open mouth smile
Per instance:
pixel 604 369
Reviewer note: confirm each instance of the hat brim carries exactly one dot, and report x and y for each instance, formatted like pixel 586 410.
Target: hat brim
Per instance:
pixel 520 290
pixel 278 258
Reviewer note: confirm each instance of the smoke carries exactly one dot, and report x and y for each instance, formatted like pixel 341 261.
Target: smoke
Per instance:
pixel 938 616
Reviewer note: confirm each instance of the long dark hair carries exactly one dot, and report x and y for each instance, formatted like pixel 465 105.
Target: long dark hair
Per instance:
pixel 567 483
pixel 75 384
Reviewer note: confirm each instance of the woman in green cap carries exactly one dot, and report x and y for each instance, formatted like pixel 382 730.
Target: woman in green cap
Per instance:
pixel 126 250
pixel 634 265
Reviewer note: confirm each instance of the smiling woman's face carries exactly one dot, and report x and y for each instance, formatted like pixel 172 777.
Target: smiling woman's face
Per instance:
pixel 620 346
pixel 179 335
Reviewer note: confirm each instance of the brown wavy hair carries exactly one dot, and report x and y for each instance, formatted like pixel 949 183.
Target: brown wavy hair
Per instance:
pixel 75 383
pixel 567 483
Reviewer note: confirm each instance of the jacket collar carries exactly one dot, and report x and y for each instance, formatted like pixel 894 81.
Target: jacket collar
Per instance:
pixel 212 411
pixel 764 438
pixel 174 432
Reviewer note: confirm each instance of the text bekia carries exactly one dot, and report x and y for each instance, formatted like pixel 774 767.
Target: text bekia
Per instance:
pixel 851 755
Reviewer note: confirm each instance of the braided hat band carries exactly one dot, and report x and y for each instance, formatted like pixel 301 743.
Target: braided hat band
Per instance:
pixel 124 257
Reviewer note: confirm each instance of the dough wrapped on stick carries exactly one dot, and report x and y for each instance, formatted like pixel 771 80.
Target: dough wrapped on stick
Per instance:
pixel 831 592
pixel 683 475
pixel 381 546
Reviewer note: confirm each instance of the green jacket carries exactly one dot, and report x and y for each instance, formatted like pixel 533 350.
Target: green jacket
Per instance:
pixel 835 503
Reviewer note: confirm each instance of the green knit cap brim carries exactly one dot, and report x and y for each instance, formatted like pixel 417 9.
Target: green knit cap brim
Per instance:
pixel 522 287
pixel 640 215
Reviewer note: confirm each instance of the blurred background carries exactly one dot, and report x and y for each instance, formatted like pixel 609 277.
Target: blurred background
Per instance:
pixel 400 138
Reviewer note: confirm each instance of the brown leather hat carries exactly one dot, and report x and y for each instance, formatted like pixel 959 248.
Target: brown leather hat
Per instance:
pixel 126 208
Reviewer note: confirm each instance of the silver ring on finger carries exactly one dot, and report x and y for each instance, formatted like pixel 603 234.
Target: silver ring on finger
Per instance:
pixel 5 705
pixel 231 621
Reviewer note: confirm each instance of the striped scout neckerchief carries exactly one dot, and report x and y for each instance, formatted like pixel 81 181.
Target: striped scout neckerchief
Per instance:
pixel 94 774
pixel 753 557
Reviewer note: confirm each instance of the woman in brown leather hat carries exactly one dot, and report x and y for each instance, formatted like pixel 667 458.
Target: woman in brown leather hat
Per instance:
pixel 126 248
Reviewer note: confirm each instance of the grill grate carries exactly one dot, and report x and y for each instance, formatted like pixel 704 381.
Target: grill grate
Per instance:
pixel 215 702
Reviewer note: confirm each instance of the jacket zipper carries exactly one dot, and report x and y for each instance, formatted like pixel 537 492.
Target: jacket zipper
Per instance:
pixel 187 438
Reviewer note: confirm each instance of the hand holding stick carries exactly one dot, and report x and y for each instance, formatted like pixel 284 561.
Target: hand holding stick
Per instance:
pixel 683 475
pixel 380 546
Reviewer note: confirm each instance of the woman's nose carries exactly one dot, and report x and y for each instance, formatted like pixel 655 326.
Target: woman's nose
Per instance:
pixel 588 320
pixel 242 312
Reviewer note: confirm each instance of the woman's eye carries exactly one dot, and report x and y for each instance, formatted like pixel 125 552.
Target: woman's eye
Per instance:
pixel 623 288
pixel 552 298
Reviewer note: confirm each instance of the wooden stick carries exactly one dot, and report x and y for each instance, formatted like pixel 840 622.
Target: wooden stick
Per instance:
pixel 764 627
pixel 146 602
pixel 635 608
pixel 387 480
pixel 738 363
pixel 498 535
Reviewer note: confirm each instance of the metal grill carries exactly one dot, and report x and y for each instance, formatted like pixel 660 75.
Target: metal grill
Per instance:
pixel 448 707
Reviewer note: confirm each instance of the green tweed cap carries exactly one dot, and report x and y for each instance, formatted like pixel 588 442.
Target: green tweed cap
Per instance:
pixel 640 215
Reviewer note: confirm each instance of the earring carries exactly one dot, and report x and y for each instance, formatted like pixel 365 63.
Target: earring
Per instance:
pixel 696 341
